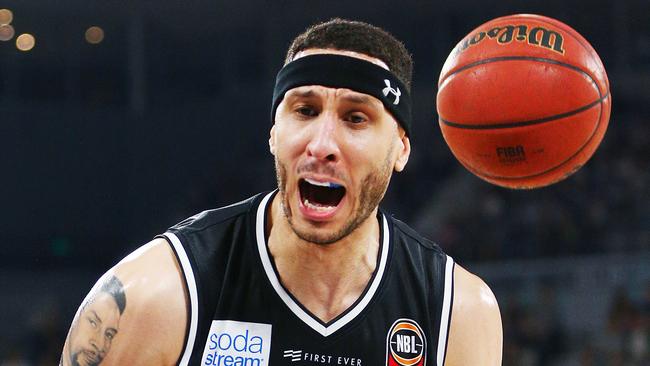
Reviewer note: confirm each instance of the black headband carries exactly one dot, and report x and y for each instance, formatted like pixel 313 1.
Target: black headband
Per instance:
pixel 337 71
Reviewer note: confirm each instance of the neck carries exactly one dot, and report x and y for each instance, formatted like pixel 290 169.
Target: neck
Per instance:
pixel 327 279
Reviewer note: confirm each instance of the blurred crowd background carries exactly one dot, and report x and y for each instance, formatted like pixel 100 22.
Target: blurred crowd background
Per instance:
pixel 119 119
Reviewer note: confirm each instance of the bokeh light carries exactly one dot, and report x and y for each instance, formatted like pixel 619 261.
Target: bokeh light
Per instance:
pixel 6 32
pixel 25 42
pixel 6 16
pixel 94 35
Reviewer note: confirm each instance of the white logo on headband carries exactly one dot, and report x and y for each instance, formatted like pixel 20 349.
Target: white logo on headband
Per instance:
pixel 388 89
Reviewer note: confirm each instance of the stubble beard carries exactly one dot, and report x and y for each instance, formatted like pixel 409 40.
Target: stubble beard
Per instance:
pixel 74 360
pixel 375 183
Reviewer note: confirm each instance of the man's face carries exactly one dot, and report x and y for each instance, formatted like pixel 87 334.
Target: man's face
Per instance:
pixel 93 333
pixel 335 150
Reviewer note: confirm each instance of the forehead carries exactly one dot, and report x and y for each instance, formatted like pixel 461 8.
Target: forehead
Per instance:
pixel 103 304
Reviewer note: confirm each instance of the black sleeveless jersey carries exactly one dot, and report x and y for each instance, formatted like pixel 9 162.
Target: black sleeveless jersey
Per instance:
pixel 241 315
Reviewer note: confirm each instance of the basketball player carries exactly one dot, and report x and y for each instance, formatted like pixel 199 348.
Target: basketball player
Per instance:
pixel 313 273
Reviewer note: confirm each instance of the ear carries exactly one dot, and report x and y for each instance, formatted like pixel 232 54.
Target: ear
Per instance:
pixel 404 151
pixel 272 140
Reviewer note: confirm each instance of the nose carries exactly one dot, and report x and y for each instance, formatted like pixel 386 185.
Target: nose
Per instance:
pixel 98 342
pixel 324 138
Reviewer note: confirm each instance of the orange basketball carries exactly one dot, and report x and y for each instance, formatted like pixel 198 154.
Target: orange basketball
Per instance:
pixel 523 101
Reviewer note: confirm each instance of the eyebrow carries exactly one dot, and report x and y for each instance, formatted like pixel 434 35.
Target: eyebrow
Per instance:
pixel 355 98
pixel 301 93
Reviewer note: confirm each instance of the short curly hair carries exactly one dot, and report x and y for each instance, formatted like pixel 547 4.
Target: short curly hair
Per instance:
pixel 348 35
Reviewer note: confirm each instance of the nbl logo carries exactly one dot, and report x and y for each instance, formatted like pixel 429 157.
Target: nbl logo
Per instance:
pixel 406 344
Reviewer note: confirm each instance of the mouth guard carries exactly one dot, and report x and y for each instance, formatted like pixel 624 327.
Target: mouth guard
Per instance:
pixel 323 184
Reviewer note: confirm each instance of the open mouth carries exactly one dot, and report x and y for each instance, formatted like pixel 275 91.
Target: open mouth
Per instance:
pixel 320 196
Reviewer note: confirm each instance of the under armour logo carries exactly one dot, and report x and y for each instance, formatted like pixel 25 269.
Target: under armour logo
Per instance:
pixel 388 89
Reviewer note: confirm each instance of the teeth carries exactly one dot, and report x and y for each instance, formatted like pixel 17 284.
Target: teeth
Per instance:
pixel 317 207
pixel 323 184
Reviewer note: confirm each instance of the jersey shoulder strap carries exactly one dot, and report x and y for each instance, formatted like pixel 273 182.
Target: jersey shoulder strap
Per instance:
pixel 203 245
pixel 436 269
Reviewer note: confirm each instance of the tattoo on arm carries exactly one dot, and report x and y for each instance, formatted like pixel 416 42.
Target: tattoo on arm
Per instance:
pixel 97 324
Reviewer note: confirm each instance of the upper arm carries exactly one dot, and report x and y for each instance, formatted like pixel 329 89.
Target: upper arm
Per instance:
pixel 475 334
pixel 135 314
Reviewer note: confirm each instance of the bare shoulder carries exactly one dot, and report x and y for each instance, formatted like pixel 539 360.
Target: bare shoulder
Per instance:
pixel 135 314
pixel 475 334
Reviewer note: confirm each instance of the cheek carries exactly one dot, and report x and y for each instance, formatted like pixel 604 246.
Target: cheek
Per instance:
pixel 74 334
pixel 365 154
pixel 79 336
pixel 289 144
pixel 107 343
pixel 84 327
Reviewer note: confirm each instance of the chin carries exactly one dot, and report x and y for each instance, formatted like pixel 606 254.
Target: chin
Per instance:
pixel 318 236
pixel 325 232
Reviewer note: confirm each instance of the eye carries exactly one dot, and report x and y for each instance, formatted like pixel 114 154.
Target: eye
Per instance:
pixel 357 118
pixel 110 335
pixel 92 322
pixel 307 111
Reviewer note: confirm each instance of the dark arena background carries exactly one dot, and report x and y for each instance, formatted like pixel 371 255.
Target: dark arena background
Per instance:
pixel 120 118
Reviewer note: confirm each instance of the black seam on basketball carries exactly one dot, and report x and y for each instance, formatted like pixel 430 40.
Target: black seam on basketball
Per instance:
pixel 531 122
pixel 587 47
pixel 481 174
pixel 516 58
pixel 525 123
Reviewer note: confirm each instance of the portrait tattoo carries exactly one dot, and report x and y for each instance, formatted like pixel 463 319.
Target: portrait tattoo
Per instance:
pixel 92 333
